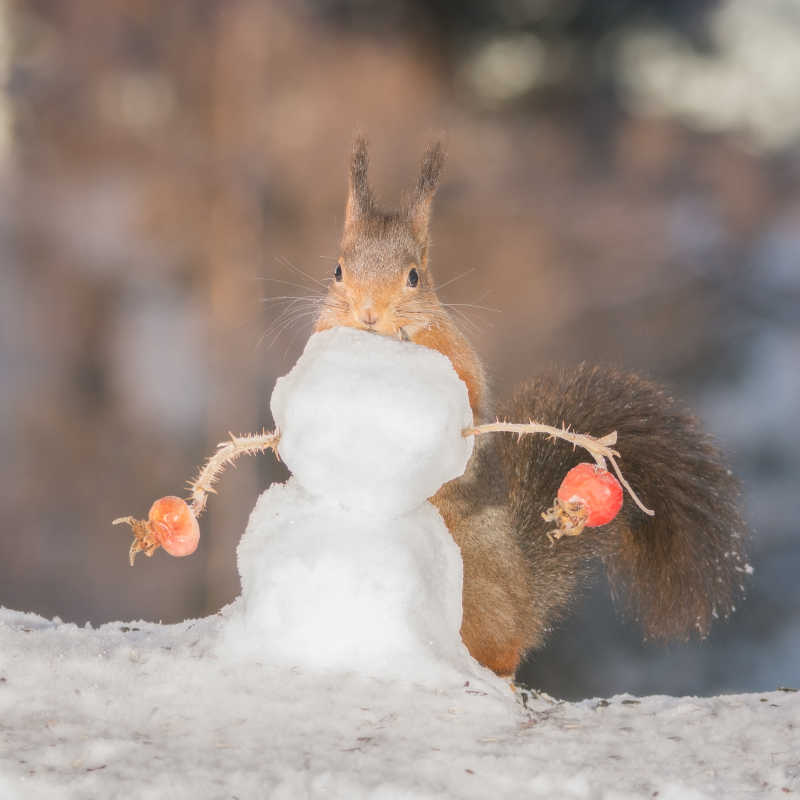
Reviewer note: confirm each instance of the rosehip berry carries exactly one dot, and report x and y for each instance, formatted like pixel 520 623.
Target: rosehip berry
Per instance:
pixel 174 526
pixel 596 489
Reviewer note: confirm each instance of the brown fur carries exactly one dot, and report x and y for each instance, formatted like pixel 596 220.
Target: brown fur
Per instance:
pixel 674 572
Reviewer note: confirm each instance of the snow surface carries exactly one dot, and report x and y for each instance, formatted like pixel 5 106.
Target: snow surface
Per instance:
pixel 339 671
pixel 152 711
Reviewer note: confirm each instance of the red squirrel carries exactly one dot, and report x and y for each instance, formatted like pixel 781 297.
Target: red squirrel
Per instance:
pixel 674 572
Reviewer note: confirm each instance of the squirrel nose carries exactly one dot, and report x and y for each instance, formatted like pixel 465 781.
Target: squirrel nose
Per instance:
pixel 369 316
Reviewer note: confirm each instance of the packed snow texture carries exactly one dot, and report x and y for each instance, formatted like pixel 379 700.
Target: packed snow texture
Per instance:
pixel 152 711
pixel 347 566
pixel 334 589
pixel 372 423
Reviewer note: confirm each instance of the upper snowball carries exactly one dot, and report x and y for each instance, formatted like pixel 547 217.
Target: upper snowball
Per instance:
pixel 370 422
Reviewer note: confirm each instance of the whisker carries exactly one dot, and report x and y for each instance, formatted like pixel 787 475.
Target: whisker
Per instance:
pixel 483 294
pixel 279 332
pixel 440 313
pixel 468 323
pixel 296 305
pixel 279 324
pixel 282 323
pixel 294 309
pixel 285 261
pixel 286 283
pixel 453 280
pixel 472 305
pixel 310 298
pixel 333 304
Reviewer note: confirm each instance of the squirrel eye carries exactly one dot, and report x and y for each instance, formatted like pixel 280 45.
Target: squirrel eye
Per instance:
pixel 413 278
pixel 338 272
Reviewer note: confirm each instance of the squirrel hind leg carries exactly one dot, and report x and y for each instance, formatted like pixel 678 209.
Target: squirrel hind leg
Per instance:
pixel 674 572
pixel 499 620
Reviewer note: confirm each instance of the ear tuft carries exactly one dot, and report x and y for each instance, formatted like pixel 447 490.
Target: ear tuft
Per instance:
pixel 360 202
pixel 419 209
pixel 430 171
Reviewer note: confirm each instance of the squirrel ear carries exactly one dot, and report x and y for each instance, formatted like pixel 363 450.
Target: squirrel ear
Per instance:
pixel 359 196
pixel 419 209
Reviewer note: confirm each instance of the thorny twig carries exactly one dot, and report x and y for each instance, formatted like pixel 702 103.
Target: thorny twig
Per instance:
pixel 227 453
pixel 601 449
pixel 144 538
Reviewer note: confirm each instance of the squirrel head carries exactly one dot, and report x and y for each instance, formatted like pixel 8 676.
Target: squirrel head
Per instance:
pixel 381 281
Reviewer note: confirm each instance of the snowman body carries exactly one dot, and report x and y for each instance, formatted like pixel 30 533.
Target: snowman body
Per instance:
pixel 347 566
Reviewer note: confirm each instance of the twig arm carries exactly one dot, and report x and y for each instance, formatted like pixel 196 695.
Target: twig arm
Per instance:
pixel 145 538
pixel 600 449
pixel 227 452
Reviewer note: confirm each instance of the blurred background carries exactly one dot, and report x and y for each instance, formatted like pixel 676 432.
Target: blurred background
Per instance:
pixel 622 186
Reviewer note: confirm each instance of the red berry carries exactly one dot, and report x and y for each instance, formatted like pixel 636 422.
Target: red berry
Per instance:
pixel 174 526
pixel 596 489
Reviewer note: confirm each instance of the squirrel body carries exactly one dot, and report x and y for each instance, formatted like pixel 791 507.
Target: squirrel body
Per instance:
pixel 674 572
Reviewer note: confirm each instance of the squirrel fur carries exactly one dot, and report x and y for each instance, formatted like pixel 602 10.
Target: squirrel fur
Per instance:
pixel 674 572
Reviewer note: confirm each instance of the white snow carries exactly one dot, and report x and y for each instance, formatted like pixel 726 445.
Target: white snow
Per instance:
pixel 152 711
pixel 329 589
pixel 339 671
pixel 347 566
pixel 370 422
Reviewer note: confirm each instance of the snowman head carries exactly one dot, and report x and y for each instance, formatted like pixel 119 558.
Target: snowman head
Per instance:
pixel 370 423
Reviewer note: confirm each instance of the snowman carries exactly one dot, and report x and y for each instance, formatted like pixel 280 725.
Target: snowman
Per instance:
pixel 347 566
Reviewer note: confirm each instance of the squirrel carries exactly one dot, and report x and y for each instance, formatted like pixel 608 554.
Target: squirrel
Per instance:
pixel 674 572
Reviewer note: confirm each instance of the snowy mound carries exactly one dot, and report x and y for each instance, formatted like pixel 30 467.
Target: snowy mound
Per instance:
pixel 328 589
pixel 149 711
pixel 347 567
pixel 370 422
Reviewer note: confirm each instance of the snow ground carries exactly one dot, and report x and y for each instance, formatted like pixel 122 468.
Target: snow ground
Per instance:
pixel 150 711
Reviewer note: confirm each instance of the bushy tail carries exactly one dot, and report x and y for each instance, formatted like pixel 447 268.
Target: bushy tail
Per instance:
pixel 674 572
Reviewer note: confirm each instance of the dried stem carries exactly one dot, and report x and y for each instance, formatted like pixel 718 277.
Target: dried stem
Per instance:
pixel 144 536
pixel 600 449
pixel 252 443
pixel 227 453
pixel 144 539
